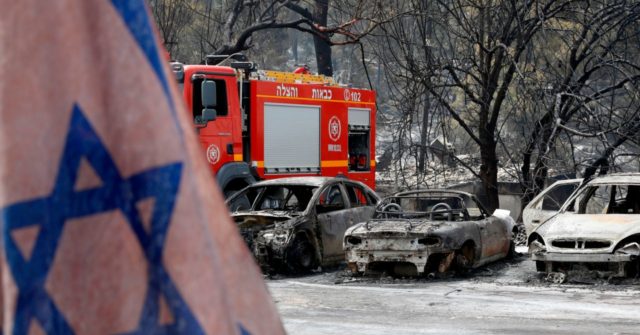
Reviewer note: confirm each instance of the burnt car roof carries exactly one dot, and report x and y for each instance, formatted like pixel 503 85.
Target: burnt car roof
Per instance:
pixel 435 191
pixel 309 181
pixel 616 178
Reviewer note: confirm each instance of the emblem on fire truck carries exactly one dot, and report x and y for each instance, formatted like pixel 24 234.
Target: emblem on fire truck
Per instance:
pixel 334 128
pixel 347 94
pixel 213 154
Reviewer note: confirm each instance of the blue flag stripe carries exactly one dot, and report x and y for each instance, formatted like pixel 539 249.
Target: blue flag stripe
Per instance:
pixel 134 15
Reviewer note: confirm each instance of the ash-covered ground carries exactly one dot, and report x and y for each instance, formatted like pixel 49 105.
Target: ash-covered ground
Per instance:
pixel 505 297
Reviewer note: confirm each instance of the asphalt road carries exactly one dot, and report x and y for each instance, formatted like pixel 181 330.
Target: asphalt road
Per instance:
pixel 505 298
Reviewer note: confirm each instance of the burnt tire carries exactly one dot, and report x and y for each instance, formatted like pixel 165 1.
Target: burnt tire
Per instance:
pixel 301 257
pixel 511 254
pixel 632 269
pixel 465 257
pixel 519 235
pixel 512 251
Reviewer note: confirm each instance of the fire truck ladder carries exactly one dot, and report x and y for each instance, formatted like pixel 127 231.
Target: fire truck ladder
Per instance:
pixel 295 78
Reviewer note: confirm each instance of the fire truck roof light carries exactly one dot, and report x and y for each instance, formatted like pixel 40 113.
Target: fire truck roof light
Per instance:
pixel 219 59
pixel 243 65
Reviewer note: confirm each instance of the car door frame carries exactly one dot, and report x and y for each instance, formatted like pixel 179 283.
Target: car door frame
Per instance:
pixel 494 236
pixel 361 213
pixel 533 217
pixel 332 225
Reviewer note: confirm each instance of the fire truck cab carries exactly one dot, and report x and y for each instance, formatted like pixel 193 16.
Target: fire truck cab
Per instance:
pixel 265 124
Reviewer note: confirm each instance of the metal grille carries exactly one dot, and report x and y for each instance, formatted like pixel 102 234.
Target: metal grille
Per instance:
pixel 580 244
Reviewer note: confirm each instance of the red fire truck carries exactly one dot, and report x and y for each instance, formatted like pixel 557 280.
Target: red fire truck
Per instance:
pixel 266 124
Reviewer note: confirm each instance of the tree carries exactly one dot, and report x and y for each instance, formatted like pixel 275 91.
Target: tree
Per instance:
pixel 172 17
pixel 587 82
pixel 228 27
pixel 415 64
pixel 479 54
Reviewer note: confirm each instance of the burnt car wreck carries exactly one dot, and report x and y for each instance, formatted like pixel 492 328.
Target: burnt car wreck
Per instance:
pixel 597 229
pixel 428 232
pixel 295 225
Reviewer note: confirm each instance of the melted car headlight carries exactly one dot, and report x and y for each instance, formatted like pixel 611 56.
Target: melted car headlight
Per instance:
pixel 274 237
pixel 429 241
pixel 280 239
pixel 353 240
pixel 630 249
pixel 536 246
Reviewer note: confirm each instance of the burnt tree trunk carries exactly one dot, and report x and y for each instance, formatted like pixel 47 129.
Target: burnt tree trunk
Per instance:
pixel 489 169
pixel 323 49
pixel 422 154
pixel 534 178
pixel 530 181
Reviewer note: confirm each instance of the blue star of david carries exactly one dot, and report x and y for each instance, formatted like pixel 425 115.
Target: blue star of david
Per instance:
pixel 64 203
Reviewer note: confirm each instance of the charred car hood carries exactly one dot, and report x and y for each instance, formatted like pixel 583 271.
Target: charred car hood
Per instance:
pixel 268 220
pixel 613 227
pixel 260 220
pixel 399 228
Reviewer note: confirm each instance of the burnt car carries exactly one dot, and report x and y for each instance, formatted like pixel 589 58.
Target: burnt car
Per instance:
pixel 428 231
pixel 297 224
pixel 597 228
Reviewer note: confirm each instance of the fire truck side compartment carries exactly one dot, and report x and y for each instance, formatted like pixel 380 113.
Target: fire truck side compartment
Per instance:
pixel 291 138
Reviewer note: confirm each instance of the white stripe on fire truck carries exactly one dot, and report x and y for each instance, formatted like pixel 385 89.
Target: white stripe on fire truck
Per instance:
pixel 324 164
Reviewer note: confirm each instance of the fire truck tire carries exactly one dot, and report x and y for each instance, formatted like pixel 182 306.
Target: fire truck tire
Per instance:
pixel 229 192
pixel 233 177
pixel 240 203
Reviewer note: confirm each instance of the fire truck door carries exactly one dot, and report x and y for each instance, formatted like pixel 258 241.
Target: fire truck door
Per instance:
pixel 211 114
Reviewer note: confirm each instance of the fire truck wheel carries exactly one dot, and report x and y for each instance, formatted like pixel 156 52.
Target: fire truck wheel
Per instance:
pixel 239 203
pixel 301 256
pixel 229 192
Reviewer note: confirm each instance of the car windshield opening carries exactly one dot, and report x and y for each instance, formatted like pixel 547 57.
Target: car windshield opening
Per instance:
pixel 433 207
pixel 290 198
